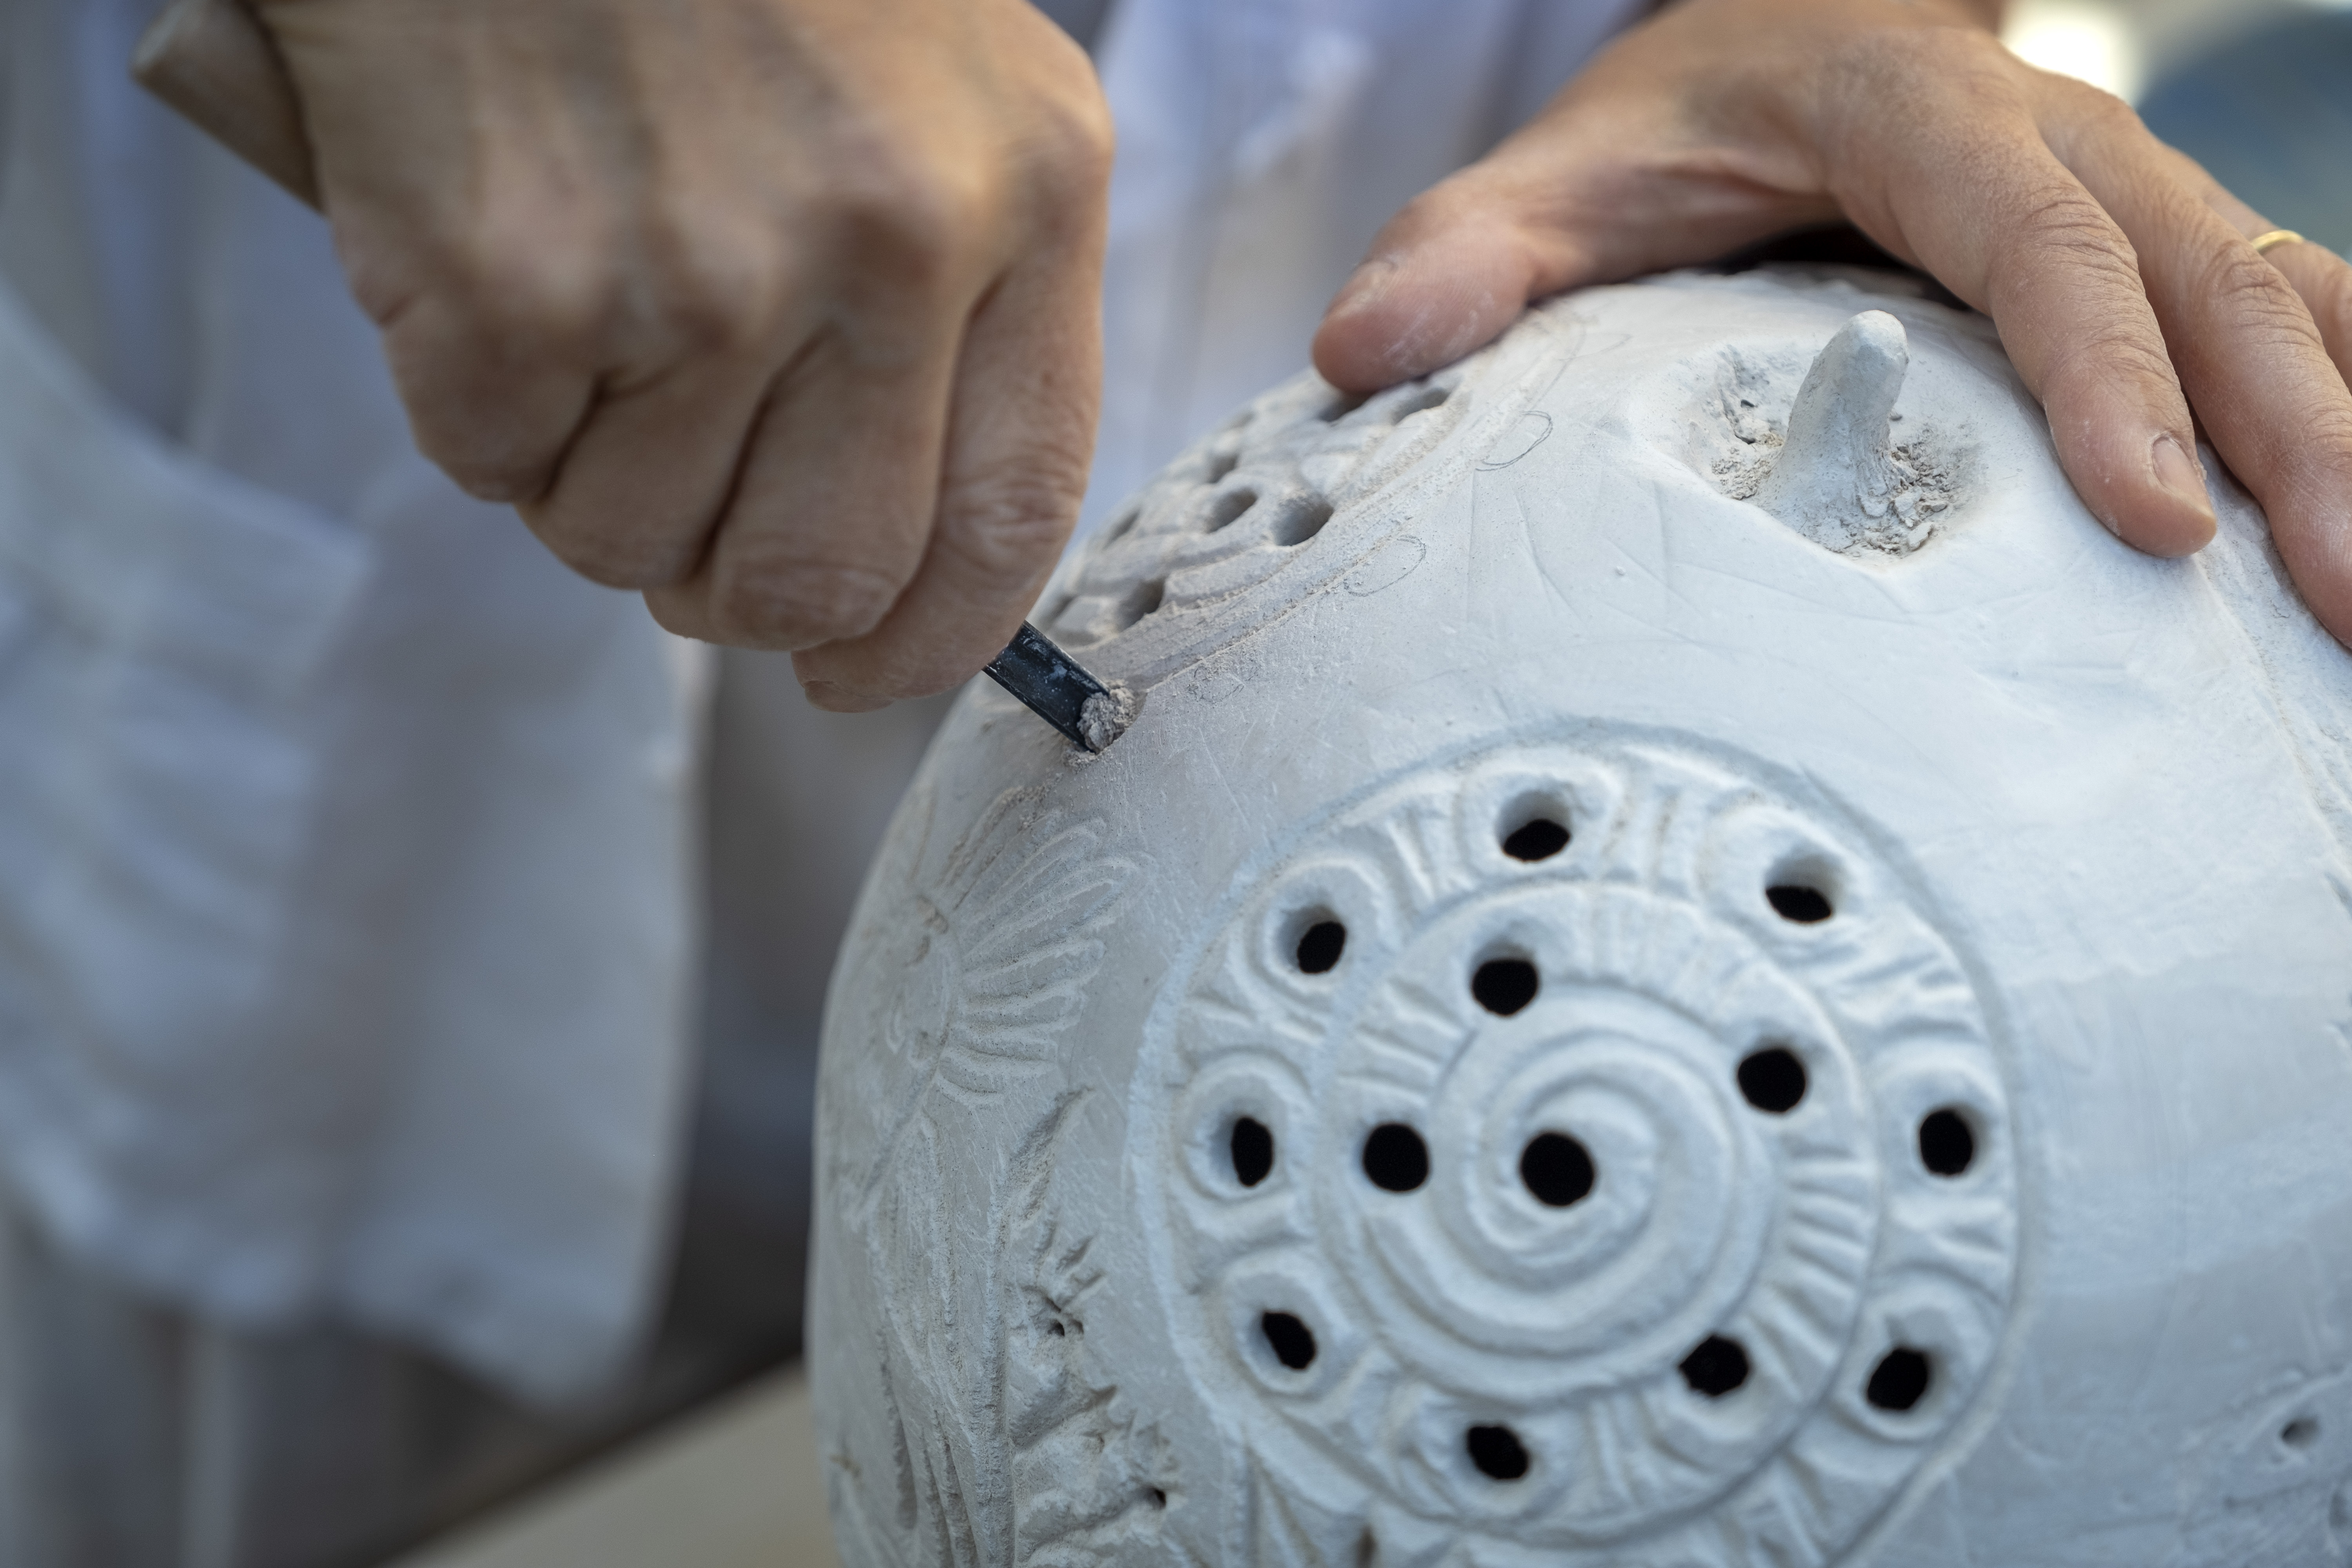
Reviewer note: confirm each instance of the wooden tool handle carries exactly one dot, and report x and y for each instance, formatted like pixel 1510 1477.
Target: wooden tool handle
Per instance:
pixel 212 61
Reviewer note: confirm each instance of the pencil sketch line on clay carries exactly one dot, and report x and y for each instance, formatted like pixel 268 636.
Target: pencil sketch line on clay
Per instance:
pixel 1598 1206
pixel 1297 492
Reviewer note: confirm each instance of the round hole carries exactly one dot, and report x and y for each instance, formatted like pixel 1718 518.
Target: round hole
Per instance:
pixel 1219 465
pixel 1159 1497
pixel 1900 1379
pixel 1538 840
pixel 2300 1432
pixel 1227 508
pixel 1946 1146
pixel 1320 945
pixel 1796 902
pixel 1772 1080
pixel 1122 525
pixel 1301 521
pixel 1292 1341
pixel 1497 1451
pixel 1717 1367
pixel 1141 601
pixel 1395 1159
pixel 1504 986
pixel 1557 1169
pixel 1252 1147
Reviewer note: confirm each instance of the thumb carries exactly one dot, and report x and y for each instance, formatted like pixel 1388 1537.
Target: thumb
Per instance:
pixel 1598 188
pixel 1448 274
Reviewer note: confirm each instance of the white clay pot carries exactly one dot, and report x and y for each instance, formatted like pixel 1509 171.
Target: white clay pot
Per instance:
pixel 1685 965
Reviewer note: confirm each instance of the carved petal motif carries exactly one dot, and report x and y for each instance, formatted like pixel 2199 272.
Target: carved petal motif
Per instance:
pixel 1467 1288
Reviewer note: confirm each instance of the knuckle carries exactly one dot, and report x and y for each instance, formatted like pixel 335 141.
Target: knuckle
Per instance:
pixel 2111 353
pixel 2059 224
pixel 779 600
pixel 1007 523
pixel 1920 59
pixel 1071 150
pixel 2252 292
pixel 522 296
pixel 715 287
pixel 906 217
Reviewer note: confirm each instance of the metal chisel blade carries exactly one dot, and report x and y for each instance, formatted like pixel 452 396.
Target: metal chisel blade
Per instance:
pixel 1051 685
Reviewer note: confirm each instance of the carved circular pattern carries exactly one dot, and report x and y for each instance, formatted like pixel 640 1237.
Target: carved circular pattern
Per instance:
pixel 1292 493
pixel 1647 1197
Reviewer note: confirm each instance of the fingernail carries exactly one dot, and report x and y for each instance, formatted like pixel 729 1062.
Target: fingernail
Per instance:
pixel 1364 286
pixel 2178 472
pixel 836 697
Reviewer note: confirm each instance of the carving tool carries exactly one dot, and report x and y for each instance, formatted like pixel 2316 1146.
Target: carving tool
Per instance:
pixel 213 62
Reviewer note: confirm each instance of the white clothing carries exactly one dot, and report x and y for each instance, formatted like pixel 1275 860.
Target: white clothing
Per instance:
pixel 344 837
pixel 1262 144
pixel 344 840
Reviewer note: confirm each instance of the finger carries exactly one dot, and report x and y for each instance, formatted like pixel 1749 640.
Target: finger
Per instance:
pixel 2325 281
pixel 2249 354
pixel 2323 278
pixel 1446 274
pixel 711 321
pixel 1556 206
pixel 827 519
pixel 640 488
pixel 494 389
pixel 1020 435
pixel 1965 188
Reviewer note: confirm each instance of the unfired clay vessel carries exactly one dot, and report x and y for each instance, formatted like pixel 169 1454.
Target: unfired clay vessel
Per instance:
pixel 1685 965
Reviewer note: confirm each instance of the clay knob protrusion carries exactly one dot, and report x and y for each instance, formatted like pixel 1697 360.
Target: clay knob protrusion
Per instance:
pixel 1836 459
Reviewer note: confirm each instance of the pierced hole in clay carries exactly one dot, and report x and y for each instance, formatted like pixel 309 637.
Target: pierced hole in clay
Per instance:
pixel 1497 1451
pixel 1320 945
pixel 1341 404
pixel 1219 465
pixel 1538 838
pixel 1302 520
pixel 1292 1341
pixel 1141 601
pixel 1947 1145
pixel 1122 525
pixel 1772 1080
pixel 1252 1148
pixel 1901 1379
pixel 1717 1367
pixel 2300 1432
pixel 1504 986
pixel 1795 902
pixel 1159 1497
pixel 1395 1159
pixel 1557 1169
pixel 1226 508
pixel 1367 1549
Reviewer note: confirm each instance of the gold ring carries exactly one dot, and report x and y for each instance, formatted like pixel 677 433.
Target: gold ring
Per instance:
pixel 2262 242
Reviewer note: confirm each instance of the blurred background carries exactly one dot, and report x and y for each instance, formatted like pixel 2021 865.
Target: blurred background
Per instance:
pixel 702 1455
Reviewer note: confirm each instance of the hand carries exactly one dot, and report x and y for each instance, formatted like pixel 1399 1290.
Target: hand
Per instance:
pixel 784 311
pixel 2118 271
